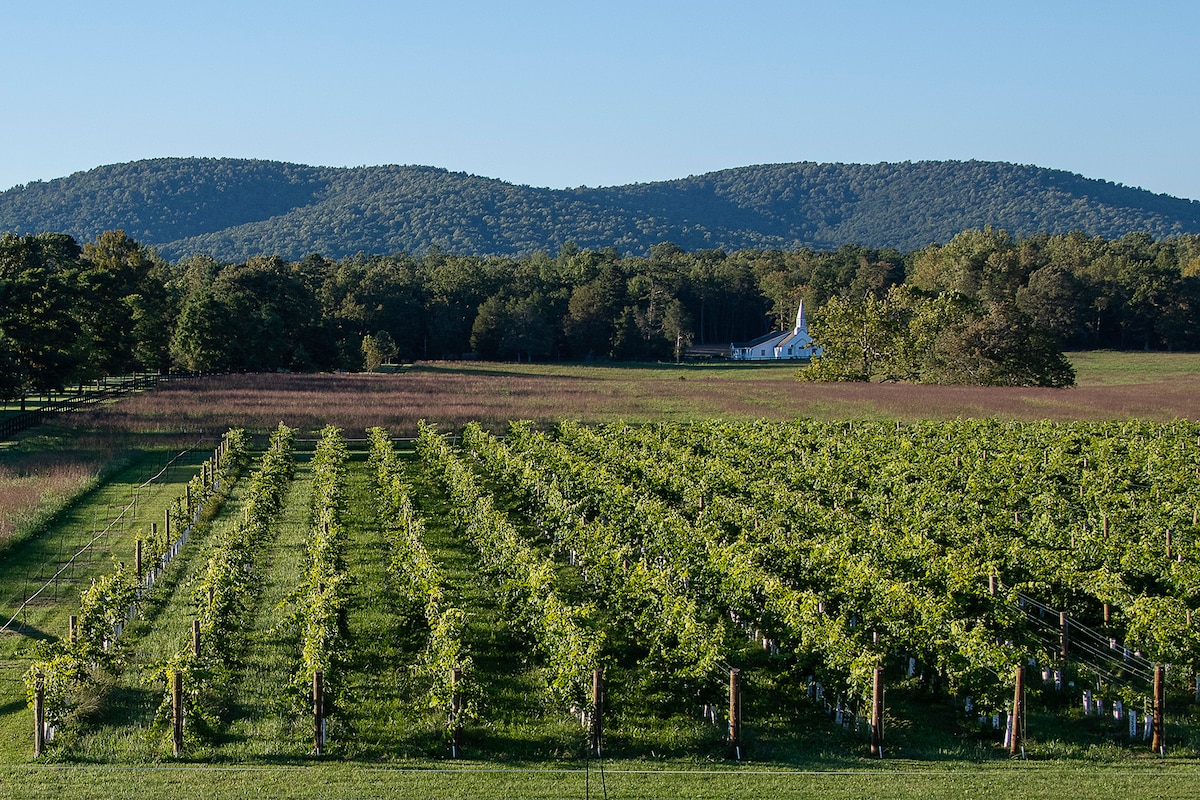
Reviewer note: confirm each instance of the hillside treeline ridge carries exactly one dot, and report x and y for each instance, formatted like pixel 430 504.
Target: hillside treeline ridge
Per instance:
pixel 234 209
pixel 70 312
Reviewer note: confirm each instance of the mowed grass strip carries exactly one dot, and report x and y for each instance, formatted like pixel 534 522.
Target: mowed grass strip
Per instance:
pixel 1112 367
pixel 376 714
pixel 267 713
pixel 335 781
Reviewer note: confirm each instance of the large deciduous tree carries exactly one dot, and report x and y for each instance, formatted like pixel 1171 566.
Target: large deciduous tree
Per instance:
pixel 934 338
pixel 40 345
pixel 592 314
pixel 126 307
pixel 200 342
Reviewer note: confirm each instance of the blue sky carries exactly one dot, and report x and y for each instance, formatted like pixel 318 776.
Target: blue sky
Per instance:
pixel 567 94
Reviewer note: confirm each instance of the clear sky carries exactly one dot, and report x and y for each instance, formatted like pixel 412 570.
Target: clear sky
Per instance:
pixel 571 93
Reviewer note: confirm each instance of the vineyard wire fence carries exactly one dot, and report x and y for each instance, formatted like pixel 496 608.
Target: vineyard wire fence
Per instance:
pixel 1108 657
pixel 69 564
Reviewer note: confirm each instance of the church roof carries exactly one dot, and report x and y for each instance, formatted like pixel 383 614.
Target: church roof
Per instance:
pixel 796 336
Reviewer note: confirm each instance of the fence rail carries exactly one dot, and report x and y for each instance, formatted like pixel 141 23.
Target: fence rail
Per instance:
pixel 108 389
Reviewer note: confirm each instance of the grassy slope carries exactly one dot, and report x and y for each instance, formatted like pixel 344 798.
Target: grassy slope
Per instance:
pixel 27 568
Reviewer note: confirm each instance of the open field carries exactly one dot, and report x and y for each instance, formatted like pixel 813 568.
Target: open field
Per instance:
pixel 1153 386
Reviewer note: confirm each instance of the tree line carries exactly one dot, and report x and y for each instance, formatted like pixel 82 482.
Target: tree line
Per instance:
pixel 71 312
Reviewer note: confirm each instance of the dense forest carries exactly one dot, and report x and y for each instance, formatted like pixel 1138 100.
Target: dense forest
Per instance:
pixel 71 312
pixel 234 210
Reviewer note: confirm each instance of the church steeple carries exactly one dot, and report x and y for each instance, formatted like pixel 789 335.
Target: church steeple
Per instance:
pixel 801 322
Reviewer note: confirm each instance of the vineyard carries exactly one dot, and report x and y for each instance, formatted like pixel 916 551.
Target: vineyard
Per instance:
pixel 718 591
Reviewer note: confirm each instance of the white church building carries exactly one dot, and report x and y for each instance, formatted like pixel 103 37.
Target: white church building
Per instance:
pixel 779 346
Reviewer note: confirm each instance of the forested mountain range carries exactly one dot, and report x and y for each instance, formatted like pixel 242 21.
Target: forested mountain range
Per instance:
pixel 234 209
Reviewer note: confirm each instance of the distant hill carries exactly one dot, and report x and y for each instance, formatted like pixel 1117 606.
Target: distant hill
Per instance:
pixel 232 209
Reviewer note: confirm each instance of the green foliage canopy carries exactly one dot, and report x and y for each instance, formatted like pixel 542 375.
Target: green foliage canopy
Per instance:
pixel 236 209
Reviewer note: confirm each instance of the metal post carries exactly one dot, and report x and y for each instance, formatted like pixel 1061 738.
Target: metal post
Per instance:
pixel 318 713
pixel 39 715
pixel 455 712
pixel 177 711
pixel 597 727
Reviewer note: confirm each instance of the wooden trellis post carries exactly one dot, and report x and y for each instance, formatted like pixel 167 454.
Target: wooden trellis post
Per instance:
pixel 177 712
pixel 1018 712
pixel 735 712
pixel 1158 740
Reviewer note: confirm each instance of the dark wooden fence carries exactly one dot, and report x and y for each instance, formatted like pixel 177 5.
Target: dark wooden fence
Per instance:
pixel 107 389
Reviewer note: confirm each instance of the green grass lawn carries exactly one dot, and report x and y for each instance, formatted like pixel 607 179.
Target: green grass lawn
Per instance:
pixel 1111 367
pixel 339 781
pixel 1093 368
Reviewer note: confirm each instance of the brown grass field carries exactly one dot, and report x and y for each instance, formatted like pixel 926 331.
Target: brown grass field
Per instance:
pixel 1154 386
pixel 33 482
